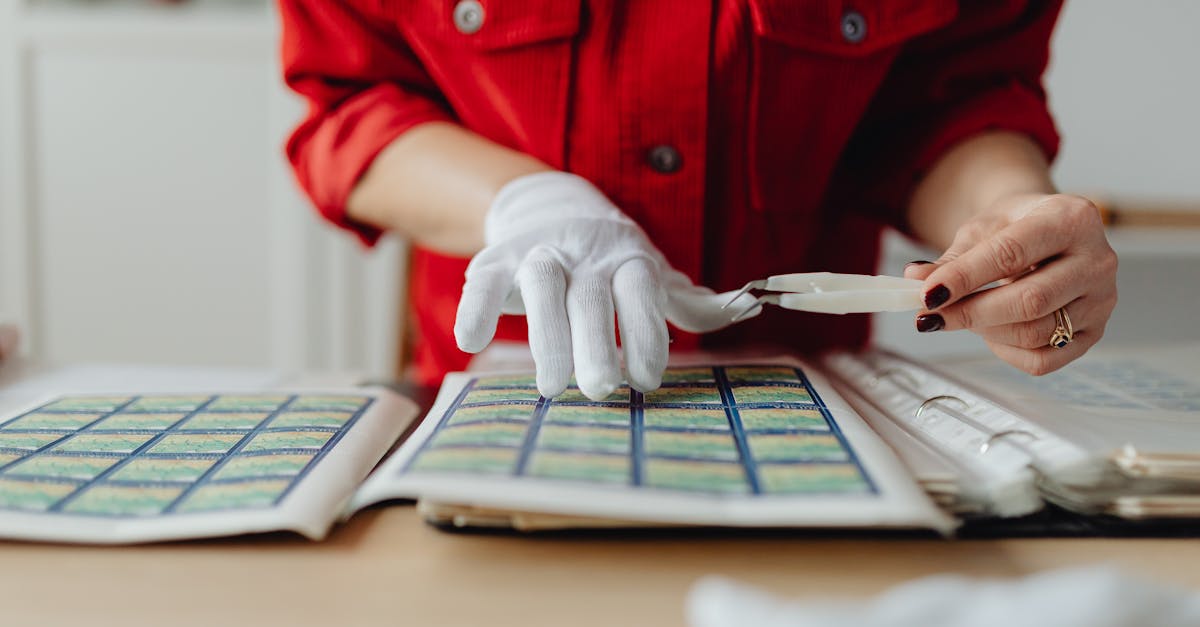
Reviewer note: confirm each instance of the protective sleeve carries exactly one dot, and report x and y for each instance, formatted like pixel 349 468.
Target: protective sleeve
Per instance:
pixel 364 87
pixel 981 72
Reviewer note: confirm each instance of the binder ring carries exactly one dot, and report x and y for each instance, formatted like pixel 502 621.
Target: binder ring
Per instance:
pixel 895 372
pixel 934 399
pixel 983 448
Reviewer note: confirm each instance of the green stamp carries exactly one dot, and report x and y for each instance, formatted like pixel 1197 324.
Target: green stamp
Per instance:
pixel 488 461
pixel 98 404
pixel 104 442
pixel 224 420
pixel 27 441
pixel 154 469
pixel 684 394
pixel 34 496
pixel 811 478
pixel 685 418
pixel 501 394
pixel 119 500
pixel 585 439
pixel 167 404
pixel 64 466
pixel 196 443
pixel 271 440
pixel 316 418
pixel 588 414
pixel 791 447
pixel 123 421
pixel 278 464
pixel 489 413
pixel 241 495
pixel 760 374
pixel 250 402
pixel 481 434
pixel 695 476
pixel 336 403
pixel 782 418
pixel 62 421
pixel 688 375
pixel 771 394
pixel 576 467
pixel 696 445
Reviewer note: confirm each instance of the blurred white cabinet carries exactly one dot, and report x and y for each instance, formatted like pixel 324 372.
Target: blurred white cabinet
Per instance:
pixel 146 211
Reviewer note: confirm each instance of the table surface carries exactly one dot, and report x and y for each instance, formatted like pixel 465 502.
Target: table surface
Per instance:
pixel 385 566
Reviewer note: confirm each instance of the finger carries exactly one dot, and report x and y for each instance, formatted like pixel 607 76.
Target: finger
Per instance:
pixel 543 285
pixel 484 292
pixel 698 309
pixel 637 296
pixel 1034 296
pixel 593 337
pixel 1024 243
pixel 1040 361
pixel 1083 313
pixel 919 269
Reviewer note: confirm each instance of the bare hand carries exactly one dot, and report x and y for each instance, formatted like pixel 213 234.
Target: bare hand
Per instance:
pixel 1047 252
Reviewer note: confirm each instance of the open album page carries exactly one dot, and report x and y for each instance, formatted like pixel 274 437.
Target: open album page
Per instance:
pixel 125 468
pixel 768 444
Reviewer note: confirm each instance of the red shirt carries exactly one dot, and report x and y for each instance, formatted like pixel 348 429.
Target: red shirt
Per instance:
pixel 747 137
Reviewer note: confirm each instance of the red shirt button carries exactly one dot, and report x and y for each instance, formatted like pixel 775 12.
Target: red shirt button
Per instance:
pixel 664 159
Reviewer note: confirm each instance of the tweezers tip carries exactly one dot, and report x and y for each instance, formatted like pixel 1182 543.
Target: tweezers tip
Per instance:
pixel 743 314
pixel 745 288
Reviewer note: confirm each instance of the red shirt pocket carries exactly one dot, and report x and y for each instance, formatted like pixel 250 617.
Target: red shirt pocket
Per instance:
pixel 504 66
pixel 816 66
pixel 848 27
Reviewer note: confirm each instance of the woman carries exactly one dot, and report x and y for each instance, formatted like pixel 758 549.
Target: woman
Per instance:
pixel 709 143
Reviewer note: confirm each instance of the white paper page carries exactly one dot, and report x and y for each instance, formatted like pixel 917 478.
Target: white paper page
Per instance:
pixel 714 446
pixel 1147 398
pixel 125 468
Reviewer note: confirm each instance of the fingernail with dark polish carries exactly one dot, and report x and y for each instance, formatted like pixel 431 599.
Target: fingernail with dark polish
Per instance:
pixel 928 323
pixel 918 262
pixel 937 297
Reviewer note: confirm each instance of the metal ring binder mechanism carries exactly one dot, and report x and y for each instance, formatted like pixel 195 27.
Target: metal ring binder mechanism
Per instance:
pixel 983 448
pixel 992 436
pixel 894 372
pixel 943 397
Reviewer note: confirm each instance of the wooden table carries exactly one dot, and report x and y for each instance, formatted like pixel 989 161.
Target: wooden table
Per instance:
pixel 386 567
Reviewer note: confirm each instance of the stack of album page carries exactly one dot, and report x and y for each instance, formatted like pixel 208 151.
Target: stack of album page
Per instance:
pixel 1115 433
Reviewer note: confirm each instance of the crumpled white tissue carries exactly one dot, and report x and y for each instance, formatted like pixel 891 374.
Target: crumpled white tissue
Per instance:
pixel 1078 597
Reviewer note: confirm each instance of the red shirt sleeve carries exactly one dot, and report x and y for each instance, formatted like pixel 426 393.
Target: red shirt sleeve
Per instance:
pixel 982 72
pixel 364 88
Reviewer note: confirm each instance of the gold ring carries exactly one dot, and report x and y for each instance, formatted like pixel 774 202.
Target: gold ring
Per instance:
pixel 1064 333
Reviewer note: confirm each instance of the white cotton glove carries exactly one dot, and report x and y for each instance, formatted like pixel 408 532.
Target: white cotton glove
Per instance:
pixel 560 253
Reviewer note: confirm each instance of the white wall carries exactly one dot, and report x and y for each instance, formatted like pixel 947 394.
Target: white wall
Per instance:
pixel 1125 86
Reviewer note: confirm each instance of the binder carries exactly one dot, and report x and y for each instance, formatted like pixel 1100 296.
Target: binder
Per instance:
pixel 1117 433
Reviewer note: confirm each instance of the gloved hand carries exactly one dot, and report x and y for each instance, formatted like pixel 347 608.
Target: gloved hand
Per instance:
pixel 560 253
